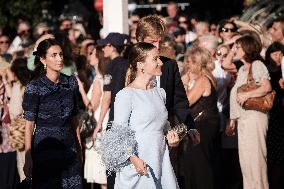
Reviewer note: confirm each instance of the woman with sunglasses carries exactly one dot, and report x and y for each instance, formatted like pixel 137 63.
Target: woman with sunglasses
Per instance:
pixel 227 30
pixel 4 46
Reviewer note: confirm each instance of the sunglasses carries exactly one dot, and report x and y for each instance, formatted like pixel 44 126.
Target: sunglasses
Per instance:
pixel 4 42
pixel 25 32
pixel 219 53
pixel 229 29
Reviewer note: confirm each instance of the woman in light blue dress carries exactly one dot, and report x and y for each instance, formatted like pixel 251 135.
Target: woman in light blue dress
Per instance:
pixel 135 147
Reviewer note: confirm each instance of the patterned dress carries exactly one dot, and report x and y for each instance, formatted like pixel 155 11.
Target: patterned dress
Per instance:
pixel 55 157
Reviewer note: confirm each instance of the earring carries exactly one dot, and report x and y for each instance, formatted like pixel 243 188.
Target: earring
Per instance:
pixel 44 66
pixel 142 70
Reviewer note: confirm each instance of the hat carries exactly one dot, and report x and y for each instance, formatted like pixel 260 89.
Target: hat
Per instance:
pixel 115 39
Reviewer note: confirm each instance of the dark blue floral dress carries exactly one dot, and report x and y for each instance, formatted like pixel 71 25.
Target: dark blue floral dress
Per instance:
pixel 56 162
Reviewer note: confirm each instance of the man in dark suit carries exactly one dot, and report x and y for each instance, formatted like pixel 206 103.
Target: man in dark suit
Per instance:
pixel 151 29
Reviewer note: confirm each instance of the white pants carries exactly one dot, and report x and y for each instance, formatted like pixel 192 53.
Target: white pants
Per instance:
pixel 252 129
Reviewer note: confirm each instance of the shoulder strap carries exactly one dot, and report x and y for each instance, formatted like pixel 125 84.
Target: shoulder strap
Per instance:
pixel 250 78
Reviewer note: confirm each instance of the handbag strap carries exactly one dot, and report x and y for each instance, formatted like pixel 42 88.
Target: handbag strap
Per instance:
pixel 250 78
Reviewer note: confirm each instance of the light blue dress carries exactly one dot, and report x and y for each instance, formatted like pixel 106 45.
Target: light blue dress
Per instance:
pixel 140 118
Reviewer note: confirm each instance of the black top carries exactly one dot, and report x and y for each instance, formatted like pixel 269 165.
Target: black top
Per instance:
pixel 115 80
pixel 177 102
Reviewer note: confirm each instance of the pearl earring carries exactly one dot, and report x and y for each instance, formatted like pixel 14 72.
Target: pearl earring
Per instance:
pixel 142 70
pixel 44 66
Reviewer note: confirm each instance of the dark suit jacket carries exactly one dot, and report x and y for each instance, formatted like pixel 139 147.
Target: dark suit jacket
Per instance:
pixel 177 102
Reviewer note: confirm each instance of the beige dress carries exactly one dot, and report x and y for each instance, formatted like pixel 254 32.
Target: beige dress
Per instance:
pixel 252 128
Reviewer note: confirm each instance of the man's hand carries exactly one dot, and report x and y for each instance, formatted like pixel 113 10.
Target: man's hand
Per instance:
pixel 230 129
pixel 281 83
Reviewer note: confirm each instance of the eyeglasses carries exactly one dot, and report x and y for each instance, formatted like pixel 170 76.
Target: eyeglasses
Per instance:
pixel 4 42
pixel 229 29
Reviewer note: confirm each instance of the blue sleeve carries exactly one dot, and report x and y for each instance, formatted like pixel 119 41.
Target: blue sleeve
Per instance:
pixel 31 102
pixel 75 90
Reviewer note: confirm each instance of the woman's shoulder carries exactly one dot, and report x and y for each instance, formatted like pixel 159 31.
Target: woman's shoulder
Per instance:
pixel 125 92
pixel 257 63
pixel 33 86
pixel 72 81
pixel 202 80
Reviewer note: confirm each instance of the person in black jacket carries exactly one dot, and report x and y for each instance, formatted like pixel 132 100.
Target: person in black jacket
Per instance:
pixel 152 29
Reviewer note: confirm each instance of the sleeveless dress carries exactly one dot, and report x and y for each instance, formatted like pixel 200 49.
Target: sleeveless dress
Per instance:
pixel 94 169
pixel 140 118
pixel 55 156
pixel 201 160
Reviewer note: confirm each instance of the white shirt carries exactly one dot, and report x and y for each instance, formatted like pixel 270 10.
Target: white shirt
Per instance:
pixel 223 79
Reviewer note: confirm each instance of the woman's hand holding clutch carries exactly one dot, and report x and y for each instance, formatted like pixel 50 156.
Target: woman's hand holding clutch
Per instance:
pixel 173 138
pixel 139 165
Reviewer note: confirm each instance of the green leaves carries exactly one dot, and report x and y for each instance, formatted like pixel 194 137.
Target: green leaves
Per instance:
pixel 13 10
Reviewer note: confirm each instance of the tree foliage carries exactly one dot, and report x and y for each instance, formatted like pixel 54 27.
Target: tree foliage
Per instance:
pixel 11 11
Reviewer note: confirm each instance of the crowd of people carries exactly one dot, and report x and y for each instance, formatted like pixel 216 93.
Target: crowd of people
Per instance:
pixel 168 72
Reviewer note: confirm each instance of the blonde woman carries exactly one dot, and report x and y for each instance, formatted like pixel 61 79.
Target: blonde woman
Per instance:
pixel 201 159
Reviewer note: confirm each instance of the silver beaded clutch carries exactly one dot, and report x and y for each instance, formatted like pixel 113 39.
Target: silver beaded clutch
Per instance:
pixel 181 128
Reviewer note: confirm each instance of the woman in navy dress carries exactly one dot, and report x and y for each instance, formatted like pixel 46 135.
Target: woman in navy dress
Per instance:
pixel 52 142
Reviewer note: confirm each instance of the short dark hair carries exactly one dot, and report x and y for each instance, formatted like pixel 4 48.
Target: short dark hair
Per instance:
pixel 251 48
pixel 281 21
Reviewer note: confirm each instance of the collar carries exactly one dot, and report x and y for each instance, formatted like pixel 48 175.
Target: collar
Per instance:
pixel 63 80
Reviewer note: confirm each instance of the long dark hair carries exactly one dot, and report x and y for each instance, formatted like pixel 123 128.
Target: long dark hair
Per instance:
pixel 269 62
pixel 41 53
pixel 137 53
pixel 20 69
pixel 104 62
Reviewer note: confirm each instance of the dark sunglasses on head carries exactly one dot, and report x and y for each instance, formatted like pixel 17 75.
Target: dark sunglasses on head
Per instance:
pixel 229 29
pixel 2 42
